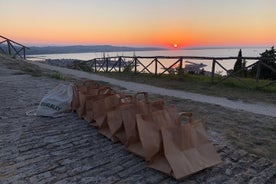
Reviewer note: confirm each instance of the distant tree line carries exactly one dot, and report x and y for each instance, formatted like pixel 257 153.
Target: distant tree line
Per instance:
pixel 268 58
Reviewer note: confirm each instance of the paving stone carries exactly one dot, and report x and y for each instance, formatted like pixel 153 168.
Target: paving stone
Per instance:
pixel 264 176
pixel 228 172
pixel 132 170
pixel 99 179
pixel 134 178
pixel 173 181
pixel 237 155
pixel 111 170
pixel 151 176
pixel 38 177
pixel 217 179
pixel 261 164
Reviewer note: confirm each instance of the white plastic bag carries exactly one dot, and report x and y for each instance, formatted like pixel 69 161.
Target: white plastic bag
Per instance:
pixel 56 102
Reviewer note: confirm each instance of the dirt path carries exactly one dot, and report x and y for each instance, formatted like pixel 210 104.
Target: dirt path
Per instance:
pixel 258 108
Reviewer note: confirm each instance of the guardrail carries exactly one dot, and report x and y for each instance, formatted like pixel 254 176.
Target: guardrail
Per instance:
pixel 12 48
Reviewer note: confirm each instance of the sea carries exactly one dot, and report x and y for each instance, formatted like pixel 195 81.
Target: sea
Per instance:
pixel 212 52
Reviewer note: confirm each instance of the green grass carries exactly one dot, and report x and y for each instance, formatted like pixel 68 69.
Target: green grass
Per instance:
pixel 82 66
pixel 272 128
pixel 58 76
pixel 248 83
pixel 231 88
pixel 32 71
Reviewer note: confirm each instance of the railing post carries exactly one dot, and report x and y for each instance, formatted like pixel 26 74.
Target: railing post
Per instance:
pixel 107 64
pixel 258 73
pixel 213 70
pixel 95 65
pixel 155 72
pixel 180 72
pixel 135 65
pixel 9 46
pixel 120 60
pixel 24 52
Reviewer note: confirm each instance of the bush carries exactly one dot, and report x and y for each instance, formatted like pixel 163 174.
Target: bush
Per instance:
pixel 268 58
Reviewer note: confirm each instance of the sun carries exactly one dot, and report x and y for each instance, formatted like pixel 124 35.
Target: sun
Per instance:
pixel 175 45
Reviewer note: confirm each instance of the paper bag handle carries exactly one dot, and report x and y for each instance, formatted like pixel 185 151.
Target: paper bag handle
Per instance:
pixel 187 115
pixel 142 93
pixel 105 90
pixel 130 97
pixel 88 81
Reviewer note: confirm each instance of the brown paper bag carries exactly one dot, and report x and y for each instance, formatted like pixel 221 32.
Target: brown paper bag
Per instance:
pixel 159 161
pixel 106 129
pixel 121 120
pixel 187 150
pixel 149 129
pixel 84 94
pixel 115 118
pixel 101 106
pixel 89 107
pixel 143 106
pixel 140 106
pixel 77 87
pixel 109 103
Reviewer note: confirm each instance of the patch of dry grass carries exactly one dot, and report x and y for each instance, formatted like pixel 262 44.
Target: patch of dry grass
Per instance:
pixel 244 130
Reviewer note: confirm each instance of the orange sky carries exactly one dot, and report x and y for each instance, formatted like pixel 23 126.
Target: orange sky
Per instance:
pixel 139 22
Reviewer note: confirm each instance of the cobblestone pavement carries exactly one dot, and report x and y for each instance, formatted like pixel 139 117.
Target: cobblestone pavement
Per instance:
pixel 68 150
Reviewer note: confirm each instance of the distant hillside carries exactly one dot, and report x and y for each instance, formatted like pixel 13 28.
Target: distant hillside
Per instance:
pixel 83 49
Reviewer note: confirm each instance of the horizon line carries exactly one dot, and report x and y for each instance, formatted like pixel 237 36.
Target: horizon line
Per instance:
pixel 159 47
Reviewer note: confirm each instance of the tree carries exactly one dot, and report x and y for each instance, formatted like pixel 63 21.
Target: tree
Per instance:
pixel 238 64
pixel 268 58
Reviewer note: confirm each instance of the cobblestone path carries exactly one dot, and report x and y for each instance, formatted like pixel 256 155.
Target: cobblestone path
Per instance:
pixel 68 150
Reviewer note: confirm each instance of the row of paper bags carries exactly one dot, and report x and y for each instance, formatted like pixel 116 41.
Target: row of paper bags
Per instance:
pixel 146 128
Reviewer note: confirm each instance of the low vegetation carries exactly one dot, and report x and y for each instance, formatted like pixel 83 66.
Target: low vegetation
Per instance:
pixel 264 70
pixel 230 88
pixel 59 76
